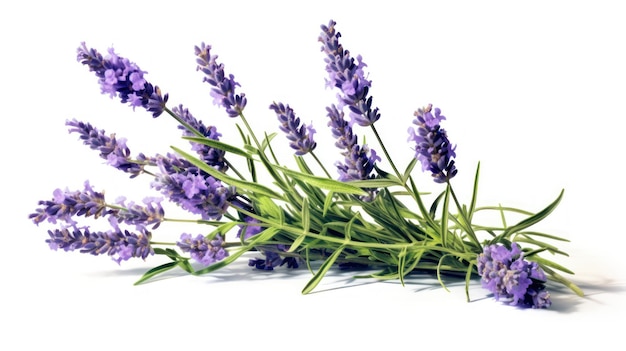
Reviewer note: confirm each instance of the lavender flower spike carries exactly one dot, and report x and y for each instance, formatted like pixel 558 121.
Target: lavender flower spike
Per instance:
pixel 203 250
pixel 432 147
pixel 192 189
pixel 141 215
pixel 111 149
pixel 210 155
pixel 510 277
pixel 223 91
pixel 120 245
pixel 347 74
pixel 120 77
pixel 357 164
pixel 301 136
pixel 65 204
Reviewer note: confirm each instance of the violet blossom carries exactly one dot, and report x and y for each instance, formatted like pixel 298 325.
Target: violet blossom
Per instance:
pixel 121 245
pixel 203 250
pixel 65 204
pixel 210 155
pixel 223 91
pixel 113 150
pixel 120 77
pixel 300 136
pixel 359 160
pixel 191 188
pixel 510 277
pixel 150 213
pixel 432 147
pixel 347 74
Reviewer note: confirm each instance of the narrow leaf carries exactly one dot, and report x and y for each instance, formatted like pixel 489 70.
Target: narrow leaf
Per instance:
pixel 156 271
pixel 219 145
pixel 322 271
pixel 250 186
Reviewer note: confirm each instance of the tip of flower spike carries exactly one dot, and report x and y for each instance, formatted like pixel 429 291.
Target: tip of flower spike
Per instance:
pixel 432 146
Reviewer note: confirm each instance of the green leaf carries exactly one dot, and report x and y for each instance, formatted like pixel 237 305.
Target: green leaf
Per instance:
pixel 322 271
pixel 242 184
pixel 156 271
pixel 269 209
pixel 306 223
pixel 219 145
pixel 375 183
pixel 527 222
pixel 328 201
pixel 558 278
pixel 409 170
pixel 472 206
pixel 324 183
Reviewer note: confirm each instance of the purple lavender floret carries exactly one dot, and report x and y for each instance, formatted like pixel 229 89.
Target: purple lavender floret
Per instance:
pixel 203 250
pixel 66 204
pixel 510 277
pixel 191 188
pixel 150 213
pixel 359 161
pixel 300 136
pixel 250 229
pixel 113 150
pixel 432 147
pixel 273 259
pixel 210 155
pixel 121 245
pixel 124 79
pixel 223 91
pixel 347 74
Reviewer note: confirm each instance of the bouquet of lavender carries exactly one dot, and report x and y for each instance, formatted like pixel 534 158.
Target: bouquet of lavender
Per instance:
pixel 367 217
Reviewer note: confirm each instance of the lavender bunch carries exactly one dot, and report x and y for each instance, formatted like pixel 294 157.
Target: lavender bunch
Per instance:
pixel 363 216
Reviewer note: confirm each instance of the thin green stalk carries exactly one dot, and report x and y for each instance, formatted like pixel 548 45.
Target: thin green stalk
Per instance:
pixel 382 145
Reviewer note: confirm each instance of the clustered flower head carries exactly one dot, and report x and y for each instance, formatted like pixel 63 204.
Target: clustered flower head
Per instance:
pixel 150 213
pixel 273 258
pixel 359 160
pixel 124 79
pixel 210 155
pixel 432 147
pixel 347 74
pixel 65 204
pixel 121 245
pixel 300 136
pixel 191 188
pixel 113 150
pixel 223 91
pixel 510 277
pixel 203 250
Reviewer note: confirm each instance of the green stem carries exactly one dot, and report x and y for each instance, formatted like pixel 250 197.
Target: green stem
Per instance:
pixel 320 164
pixel 467 224
pixel 382 145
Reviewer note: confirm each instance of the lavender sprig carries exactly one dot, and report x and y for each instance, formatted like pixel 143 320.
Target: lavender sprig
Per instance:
pixel 308 217
pixel 300 136
pixel 432 147
pixel 191 188
pixel 510 277
pixel 223 91
pixel 212 156
pixel 347 74
pixel 124 79
pixel 121 245
pixel 65 204
pixel 113 150
pixel 203 250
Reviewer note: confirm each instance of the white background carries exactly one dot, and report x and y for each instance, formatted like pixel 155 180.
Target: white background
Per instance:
pixel 533 90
